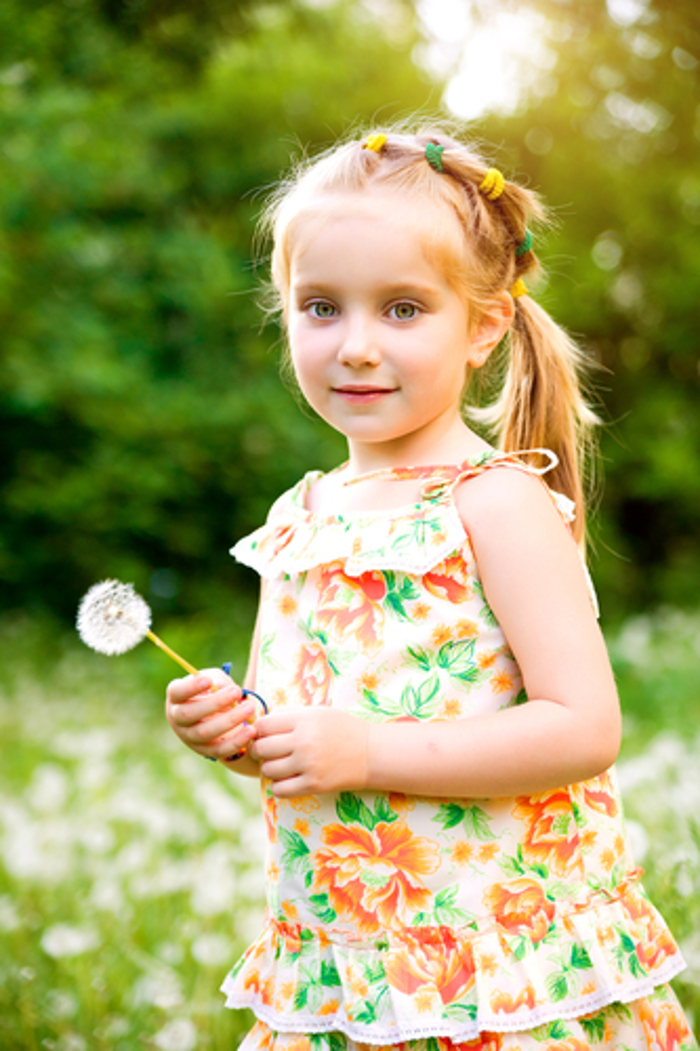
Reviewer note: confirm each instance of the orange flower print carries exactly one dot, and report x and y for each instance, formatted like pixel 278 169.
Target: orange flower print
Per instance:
pixel 441 634
pixel 374 877
pixel 451 709
pixel 664 1025
pixel 305 804
pixel 331 1007
pixel 488 852
pixel 501 682
pixel 598 794
pixel 313 676
pixel 369 681
pixel 349 608
pixel 462 852
pixel 504 1003
pixel 301 825
pixel 288 605
pixel 521 907
pixel 488 964
pixel 436 964
pixel 551 835
pixel 290 910
pixel 654 941
pixel 486 660
pixel 450 580
pixel 466 629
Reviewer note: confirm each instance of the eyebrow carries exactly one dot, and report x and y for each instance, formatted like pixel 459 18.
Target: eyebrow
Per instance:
pixel 393 290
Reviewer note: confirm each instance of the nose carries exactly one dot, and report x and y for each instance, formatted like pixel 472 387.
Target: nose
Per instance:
pixel 358 345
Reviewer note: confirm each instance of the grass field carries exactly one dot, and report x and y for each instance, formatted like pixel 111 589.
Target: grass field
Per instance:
pixel 130 870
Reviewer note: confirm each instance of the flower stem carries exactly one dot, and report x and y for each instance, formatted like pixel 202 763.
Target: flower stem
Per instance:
pixel 171 653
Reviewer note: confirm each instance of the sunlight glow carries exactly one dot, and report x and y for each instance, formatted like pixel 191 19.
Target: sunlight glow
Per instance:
pixel 489 63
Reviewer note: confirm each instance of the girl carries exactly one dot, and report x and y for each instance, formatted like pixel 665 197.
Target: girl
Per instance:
pixel 447 866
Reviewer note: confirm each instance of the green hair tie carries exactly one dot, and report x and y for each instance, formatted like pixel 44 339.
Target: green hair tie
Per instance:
pixel 433 155
pixel 524 246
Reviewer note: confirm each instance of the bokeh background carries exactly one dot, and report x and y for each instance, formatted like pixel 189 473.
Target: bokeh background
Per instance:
pixel 145 427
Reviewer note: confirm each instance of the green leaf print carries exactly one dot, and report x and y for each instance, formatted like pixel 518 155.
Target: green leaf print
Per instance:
pixel 626 953
pixel 460 1012
pixel 557 1030
pixel 449 815
pixel 457 659
pixel 521 696
pixel 580 958
pixel 352 810
pixel 519 945
pixel 560 825
pixel 445 913
pixel 485 613
pixel 476 823
pixel 594 1028
pixel 321 907
pixel 398 594
pixel 423 658
pixel 558 986
pixel 374 879
pixel 512 867
pixel 366 1013
pixel 419 702
pixel 297 856
pixel 329 974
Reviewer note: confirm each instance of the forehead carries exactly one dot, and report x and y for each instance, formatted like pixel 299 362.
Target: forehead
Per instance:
pixel 378 217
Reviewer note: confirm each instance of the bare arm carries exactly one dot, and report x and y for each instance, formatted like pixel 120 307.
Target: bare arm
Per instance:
pixel 569 730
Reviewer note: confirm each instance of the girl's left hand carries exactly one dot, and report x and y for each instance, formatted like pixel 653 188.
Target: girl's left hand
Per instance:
pixel 309 751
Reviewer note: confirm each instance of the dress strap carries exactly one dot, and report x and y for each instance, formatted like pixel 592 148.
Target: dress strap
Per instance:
pixel 442 474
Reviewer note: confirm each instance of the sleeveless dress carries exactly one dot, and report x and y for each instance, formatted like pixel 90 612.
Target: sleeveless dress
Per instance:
pixel 425 923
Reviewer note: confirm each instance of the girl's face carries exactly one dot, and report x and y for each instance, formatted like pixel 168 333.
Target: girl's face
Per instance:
pixel 380 341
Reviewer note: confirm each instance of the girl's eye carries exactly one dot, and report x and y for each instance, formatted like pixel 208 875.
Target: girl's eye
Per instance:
pixel 404 311
pixel 322 310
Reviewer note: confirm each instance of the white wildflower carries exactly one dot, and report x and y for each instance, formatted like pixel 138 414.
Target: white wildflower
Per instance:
pixel 65 940
pixel 180 1035
pixel 213 950
pixel 49 788
pixel 10 918
pixel 113 618
pixel 158 988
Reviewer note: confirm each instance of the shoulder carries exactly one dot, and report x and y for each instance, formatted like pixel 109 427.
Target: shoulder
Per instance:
pixel 504 498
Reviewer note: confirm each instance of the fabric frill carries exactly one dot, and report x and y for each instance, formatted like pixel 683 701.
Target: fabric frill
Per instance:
pixel 614 949
pixel 553 946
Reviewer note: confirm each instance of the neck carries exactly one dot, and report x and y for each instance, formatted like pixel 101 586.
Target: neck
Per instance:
pixel 452 444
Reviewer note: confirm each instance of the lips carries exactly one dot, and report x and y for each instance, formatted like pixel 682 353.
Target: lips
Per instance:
pixel 360 393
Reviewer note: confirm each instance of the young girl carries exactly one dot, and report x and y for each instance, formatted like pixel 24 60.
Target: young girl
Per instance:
pixel 447 867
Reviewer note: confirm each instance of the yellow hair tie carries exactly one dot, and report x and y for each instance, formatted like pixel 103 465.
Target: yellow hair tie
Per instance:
pixel 492 185
pixel 518 289
pixel 374 142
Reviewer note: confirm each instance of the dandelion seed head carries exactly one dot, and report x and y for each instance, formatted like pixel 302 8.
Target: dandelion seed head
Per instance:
pixel 113 618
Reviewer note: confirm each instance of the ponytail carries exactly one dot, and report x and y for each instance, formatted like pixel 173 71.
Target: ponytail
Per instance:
pixel 541 403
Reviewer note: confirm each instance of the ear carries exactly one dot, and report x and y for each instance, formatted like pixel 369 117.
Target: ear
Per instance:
pixel 490 329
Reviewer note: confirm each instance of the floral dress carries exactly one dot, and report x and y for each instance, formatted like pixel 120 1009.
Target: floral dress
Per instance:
pixel 426 923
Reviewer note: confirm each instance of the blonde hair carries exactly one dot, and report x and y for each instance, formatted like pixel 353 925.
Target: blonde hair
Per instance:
pixel 540 403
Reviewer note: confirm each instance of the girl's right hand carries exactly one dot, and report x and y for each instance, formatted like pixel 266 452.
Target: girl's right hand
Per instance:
pixel 208 714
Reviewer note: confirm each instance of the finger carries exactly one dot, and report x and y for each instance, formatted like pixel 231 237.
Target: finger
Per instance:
pixel 280 769
pixel 207 730
pixel 277 723
pixel 203 706
pixel 290 788
pixel 232 743
pixel 181 690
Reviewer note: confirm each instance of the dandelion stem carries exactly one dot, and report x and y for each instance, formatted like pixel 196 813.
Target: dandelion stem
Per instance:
pixel 171 653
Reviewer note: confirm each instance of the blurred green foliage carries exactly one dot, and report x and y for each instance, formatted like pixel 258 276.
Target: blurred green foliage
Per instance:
pixel 144 424
pixel 611 134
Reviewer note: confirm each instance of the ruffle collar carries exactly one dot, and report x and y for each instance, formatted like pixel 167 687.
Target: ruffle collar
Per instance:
pixel 413 538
